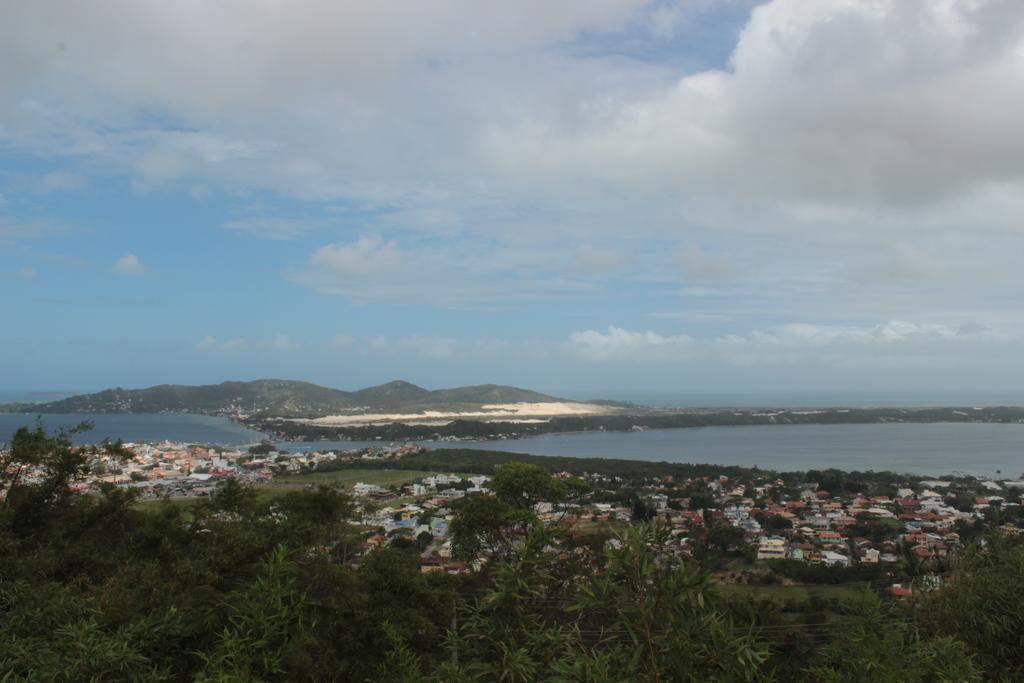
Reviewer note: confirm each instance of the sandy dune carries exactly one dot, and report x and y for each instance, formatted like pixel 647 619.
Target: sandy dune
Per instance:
pixel 519 412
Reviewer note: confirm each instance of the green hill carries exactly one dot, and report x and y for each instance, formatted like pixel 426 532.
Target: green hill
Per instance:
pixel 489 393
pixel 391 395
pixel 284 398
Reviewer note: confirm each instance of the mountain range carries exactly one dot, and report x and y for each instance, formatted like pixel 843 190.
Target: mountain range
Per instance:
pixel 285 398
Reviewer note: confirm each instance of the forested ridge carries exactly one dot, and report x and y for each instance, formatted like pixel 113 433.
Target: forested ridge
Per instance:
pixel 277 397
pixel 239 588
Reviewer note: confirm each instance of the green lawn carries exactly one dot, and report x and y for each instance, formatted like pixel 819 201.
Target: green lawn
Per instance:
pixel 347 478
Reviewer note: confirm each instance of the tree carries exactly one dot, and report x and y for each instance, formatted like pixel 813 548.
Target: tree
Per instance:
pixel 984 607
pixel 316 515
pixel 233 496
pixel 642 512
pixel 268 625
pixel 873 644
pixel 647 617
pixel 520 485
pixel 661 616
pixel 486 523
pixel 724 536
pixel 777 523
pixel 701 501
pixel 262 448
pixel 494 523
pixel 60 462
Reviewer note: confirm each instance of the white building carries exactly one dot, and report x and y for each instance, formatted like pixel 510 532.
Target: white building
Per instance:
pixel 832 559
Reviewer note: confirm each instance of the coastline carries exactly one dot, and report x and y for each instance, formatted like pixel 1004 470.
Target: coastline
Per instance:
pixel 932 448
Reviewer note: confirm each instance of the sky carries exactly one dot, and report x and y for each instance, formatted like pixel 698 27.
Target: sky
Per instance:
pixel 592 198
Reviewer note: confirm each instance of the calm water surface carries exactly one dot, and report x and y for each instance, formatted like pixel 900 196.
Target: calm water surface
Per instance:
pixel 941 448
pixel 935 449
pixel 139 427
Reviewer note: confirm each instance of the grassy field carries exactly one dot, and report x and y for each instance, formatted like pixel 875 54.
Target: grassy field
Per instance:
pixel 345 479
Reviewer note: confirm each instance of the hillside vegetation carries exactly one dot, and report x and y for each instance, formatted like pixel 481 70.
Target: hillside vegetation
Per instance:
pixel 284 398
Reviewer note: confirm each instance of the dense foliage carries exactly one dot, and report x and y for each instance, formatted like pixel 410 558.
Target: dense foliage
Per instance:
pixel 281 398
pixel 238 588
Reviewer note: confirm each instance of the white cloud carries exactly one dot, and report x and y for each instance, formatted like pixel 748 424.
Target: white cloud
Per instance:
pixel 853 160
pixel 892 332
pixel 282 342
pixel 129 265
pixel 846 102
pixel 459 274
pixel 365 256
pixel 796 343
pixel 621 343
pixel 26 273
pixel 368 268
pixel 345 127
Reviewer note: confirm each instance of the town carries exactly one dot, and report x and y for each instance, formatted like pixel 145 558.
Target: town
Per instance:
pixel 751 527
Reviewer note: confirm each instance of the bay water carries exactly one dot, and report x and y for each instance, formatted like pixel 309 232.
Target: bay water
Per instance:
pixel 932 449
